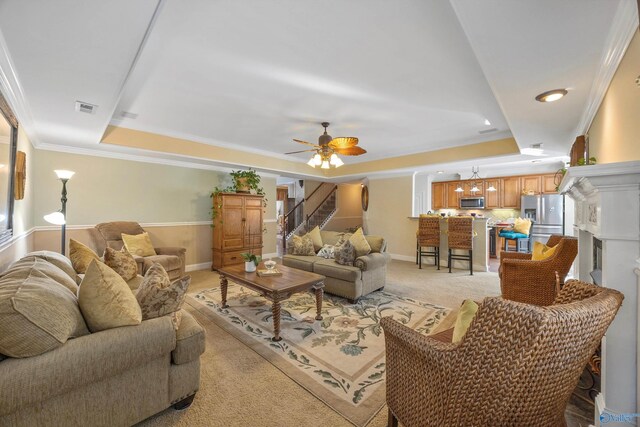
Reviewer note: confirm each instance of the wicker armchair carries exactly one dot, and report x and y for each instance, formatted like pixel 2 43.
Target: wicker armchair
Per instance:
pixel 534 282
pixel 517 365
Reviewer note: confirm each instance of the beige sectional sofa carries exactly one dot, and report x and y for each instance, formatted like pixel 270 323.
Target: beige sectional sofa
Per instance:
pixel 116 377
pixel 367 274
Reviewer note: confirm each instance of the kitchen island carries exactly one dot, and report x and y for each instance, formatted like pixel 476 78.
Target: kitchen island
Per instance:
pixel 480 247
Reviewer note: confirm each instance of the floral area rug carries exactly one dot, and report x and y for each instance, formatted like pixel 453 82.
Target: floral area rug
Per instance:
pixel 339 359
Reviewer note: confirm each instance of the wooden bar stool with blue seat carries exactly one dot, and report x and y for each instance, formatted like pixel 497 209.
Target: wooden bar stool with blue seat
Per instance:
pixel 460 236
pixel 428 237
pixel 518 234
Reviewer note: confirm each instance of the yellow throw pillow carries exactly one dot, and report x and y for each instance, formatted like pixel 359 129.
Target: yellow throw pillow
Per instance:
pixel 316 238
pixel 105 299
pixel 138 244
pixel 360 243
pixel 465 317
pixel 542 251
pixel 522 226
pixel 81 256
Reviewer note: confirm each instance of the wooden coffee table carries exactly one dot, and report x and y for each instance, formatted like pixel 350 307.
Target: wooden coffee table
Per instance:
pixel 275 289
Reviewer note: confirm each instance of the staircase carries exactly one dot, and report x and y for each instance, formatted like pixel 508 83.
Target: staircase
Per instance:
pixel 319 212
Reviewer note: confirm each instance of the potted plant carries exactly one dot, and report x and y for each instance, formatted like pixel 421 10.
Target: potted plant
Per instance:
pixel 242 182
pixel 245 181
pixel 251 261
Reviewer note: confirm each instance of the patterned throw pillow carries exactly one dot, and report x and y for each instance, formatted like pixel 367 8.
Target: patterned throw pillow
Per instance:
pixel 138 244
pixel 81 256
pixel 157 296
pixel 327 252
pixel 345 253
pixel 122 262
pixel 302 245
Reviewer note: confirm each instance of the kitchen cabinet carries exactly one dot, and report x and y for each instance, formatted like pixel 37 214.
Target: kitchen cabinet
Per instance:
pixel 453 197
pixel 237 228
pixel 530 184
pixel 549 184
pixel 492 198
pixel 438 195
pixel 510 192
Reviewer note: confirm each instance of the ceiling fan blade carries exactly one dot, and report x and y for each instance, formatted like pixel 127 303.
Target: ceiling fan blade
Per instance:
pixel 343 142
pixel 302 151
pixel 350 151
pixel 305 142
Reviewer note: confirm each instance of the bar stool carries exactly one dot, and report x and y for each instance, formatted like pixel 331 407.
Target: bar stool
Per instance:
pixel 428 236
pixel 522 240
pixel 460 236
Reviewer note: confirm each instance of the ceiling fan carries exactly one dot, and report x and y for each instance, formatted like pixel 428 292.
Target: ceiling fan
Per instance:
pixel 328 148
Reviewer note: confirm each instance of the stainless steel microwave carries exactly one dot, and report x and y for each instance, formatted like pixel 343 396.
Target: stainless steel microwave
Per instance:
pixel 472 203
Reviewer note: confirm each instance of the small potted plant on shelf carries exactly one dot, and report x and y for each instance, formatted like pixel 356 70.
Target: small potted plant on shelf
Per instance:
pixel 251 261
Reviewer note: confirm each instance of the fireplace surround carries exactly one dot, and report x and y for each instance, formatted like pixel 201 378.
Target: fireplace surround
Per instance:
pixel 607 223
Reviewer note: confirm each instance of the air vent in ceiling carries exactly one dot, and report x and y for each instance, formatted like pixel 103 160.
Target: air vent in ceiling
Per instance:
pixel 128 115
pixel 85 107
pixel 487 131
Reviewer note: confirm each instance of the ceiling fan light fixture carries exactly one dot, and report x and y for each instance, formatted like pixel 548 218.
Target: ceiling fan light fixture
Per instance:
pixel 338 162
pixel 317 159
pixel 325 165
pixel 312 162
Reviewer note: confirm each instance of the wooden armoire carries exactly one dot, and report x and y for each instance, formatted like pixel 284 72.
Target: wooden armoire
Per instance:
pixel 237 228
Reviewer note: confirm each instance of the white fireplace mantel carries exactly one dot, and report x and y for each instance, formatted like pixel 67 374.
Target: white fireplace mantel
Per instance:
pixel 608 208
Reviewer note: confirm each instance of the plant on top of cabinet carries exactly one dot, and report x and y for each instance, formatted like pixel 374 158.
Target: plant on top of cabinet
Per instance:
pixel 243 181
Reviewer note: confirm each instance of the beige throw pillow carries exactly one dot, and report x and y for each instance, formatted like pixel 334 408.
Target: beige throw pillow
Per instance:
pixel 360 243
pixel 122 262
pixel 81 256
pixel 106 300
pixel 138 244
pixel 316 238
pixel 158 296
pixel 36 315
pixel 302 245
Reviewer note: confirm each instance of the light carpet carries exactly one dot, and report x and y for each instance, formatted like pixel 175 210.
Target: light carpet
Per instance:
pixel 238 387
pixel 339 359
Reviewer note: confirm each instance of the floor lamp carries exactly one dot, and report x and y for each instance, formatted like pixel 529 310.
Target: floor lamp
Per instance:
pixel 60 217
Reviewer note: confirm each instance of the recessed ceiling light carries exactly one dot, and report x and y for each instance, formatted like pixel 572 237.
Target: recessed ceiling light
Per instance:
pixel 551 95
pixel 487 122
pixel 440 171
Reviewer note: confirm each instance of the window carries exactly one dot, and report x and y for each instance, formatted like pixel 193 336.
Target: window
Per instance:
pixel 8 143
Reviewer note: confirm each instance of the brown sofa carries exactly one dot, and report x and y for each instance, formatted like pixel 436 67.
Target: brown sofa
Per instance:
pixel 171 258
pixel 119 376
pixel 367 274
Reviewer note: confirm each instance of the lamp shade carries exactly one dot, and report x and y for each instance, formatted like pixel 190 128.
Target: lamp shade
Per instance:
pixel 64 174
pixel 317 159
pixel 56 218
pixel 459 189
pixel 325 164
pixel 312 162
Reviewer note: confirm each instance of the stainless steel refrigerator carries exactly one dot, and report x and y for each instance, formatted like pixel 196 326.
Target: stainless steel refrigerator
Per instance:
pixel 547 213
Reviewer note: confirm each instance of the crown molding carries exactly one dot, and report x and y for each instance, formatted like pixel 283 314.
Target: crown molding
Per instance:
pixel 13 92
pixel 624 26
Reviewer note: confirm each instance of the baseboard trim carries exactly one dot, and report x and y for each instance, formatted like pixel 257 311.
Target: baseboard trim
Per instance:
pixel 403 257
pixel 196 267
